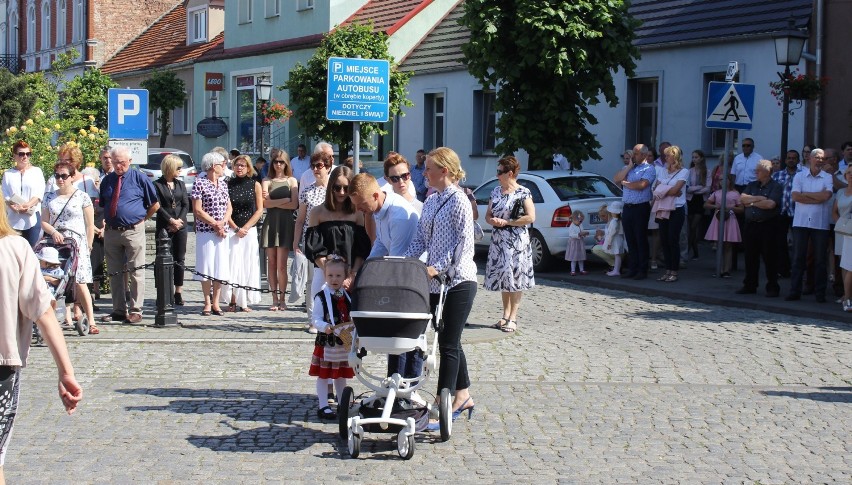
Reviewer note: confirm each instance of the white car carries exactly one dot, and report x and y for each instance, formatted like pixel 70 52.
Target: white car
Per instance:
pixel 556 195
pixel 188 171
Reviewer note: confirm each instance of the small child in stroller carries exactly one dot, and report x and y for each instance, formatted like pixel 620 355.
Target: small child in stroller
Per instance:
pixel 330 360
pixel 48 259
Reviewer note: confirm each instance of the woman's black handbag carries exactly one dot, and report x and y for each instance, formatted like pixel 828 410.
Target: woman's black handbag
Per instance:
pixel 517 210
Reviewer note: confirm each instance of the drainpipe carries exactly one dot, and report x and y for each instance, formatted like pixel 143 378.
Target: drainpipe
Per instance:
pixel 818 71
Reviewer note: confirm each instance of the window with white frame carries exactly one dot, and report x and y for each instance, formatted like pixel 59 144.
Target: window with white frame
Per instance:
pixel 273 8
pixel 485 121
pixel 643 111
pixel 44 42
pixel 31 28
pixel 306 4
pixel 60 22
pixel 78 21
pixel 245 11
pixel 198 25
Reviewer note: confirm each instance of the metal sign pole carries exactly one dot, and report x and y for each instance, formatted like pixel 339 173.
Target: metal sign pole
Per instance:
pixel 720 235
pixel 356 146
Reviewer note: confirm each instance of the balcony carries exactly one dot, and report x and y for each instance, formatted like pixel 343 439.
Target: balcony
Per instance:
pixel 12 63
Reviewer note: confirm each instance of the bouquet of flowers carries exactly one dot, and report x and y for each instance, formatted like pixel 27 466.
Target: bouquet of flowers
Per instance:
pixel 274 111
pixel 797 86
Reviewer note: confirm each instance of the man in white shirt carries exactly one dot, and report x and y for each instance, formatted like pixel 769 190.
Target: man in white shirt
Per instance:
pixel 812 194
pixel 745 164
pixel 301 163
pixel 308 177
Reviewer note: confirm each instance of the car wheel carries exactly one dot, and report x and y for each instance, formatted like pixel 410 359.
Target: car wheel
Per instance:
pixel 540 252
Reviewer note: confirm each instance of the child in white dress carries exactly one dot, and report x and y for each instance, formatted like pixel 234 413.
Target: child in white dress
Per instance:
pixel 576 249
pixel 614 238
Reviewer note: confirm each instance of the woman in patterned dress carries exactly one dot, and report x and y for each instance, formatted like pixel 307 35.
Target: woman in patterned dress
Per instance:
pixel 445 232
pixel 68 212
pixel 510 265
pixel 280 197
pixel 247 207
pixel 212 207
pixel 309 197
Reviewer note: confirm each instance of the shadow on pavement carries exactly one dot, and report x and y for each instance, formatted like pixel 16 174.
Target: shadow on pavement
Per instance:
pixel 827 394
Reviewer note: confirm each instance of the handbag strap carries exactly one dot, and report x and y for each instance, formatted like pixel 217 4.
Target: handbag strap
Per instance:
pixel 53 223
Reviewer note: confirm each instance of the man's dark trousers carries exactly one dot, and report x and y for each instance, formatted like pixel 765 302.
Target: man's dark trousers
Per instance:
pixel 635 224
pixel 760 240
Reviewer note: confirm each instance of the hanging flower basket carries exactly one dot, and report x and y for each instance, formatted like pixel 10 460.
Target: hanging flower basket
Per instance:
pixel 797 86
pixel 274 111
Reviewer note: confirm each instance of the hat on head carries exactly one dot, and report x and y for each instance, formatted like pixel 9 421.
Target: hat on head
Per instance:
pixel 615 207
pixel 49 255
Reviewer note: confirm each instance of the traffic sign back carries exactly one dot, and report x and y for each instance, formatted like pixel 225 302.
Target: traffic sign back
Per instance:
pixel 358 90
pixel 730 106
pixel 128 113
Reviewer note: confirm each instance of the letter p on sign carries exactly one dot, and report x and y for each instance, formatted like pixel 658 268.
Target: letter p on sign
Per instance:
pixel 128 105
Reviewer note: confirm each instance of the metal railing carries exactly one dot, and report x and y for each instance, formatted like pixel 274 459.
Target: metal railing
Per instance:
pixel 10 62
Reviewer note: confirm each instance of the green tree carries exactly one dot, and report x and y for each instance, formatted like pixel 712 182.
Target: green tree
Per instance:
pixel 165 93
pixel 307 84
pixel 16 100
pixel 84 96
pixel 549 62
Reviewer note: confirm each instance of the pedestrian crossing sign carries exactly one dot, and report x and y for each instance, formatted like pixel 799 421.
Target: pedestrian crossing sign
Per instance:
pixel 730 106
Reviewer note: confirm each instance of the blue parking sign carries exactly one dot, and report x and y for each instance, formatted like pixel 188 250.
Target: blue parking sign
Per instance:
pixel 128 113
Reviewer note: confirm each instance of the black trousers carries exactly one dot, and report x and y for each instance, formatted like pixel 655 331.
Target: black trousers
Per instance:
pixel 760 240
pixel 178 248
pixel 453 371
pixel 635 223
pixel 670 238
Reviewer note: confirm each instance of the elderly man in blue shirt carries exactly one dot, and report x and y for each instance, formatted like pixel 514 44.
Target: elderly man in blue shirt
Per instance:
pixel 128 199
pixel 636 179
pixel 396 223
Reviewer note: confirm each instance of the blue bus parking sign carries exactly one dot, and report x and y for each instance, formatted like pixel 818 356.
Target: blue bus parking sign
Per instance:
pixel 358 90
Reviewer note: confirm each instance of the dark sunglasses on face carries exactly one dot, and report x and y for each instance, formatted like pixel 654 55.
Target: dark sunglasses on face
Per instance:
pixel 61 176
pixel 279 161
pixel 396 178
pixel 339 188
pixel 501 172
pixel 25 154
pixel 317 166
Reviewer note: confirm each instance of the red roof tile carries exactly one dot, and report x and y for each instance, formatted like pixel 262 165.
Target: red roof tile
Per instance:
pixel 387 15
pixel 162 44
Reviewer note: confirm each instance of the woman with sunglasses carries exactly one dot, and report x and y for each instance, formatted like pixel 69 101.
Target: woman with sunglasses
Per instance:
pixel 309 197
pixel 247 206
pixel 510 266
pixel 280 190
pixel 171 216
pixel 68 212
pixel 336 227
pixel 23 191
pixel 398 175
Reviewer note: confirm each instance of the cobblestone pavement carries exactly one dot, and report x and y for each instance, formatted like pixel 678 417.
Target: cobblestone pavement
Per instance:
pixel 597 385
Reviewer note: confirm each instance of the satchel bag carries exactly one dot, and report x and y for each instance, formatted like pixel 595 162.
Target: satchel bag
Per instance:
pixel 517 209
pixel 844 226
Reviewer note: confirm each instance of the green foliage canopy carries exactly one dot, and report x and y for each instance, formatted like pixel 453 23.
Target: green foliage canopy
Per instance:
pixel 165 92
pixel 549 61
pixel 16 100
pixel 307 84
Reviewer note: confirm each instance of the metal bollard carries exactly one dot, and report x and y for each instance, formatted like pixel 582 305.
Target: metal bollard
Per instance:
pixel 164 280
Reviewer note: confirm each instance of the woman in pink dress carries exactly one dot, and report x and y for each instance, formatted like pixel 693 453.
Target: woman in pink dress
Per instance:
pixel 732 228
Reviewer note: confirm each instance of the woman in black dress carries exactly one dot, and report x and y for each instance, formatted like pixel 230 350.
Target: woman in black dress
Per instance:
pixel 247 201
pixel 171 216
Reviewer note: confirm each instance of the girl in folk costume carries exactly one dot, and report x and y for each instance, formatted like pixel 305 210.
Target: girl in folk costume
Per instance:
pixel 576 249
pixel 330 360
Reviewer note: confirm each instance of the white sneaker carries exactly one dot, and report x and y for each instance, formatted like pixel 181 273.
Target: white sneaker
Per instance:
pixel 847 306
pixel 311 328
pixel 613 273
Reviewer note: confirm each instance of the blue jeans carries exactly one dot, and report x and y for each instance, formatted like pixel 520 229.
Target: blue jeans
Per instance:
pixel 819 240
pixel 32 234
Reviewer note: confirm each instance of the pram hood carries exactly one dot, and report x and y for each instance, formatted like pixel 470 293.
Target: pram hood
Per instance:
pixel 391 298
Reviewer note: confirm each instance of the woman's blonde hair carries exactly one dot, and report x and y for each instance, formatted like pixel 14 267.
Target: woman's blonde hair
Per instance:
pixel 446 158
pixel 170 166
pixel 5 228
pixel 677 153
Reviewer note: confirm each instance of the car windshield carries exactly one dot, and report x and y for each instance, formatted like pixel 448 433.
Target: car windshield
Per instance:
pixel 583 187
pixel 155 159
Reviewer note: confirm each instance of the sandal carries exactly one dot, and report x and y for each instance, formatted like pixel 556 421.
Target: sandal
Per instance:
pixel 672 278
pixel 500 323
pixel 231 308
pixel 246 309
pixel 511 326
pixel 665 277
pixel 93 329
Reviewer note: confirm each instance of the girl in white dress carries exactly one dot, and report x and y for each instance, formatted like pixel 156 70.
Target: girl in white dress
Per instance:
pixel 614 238
pixel 576 249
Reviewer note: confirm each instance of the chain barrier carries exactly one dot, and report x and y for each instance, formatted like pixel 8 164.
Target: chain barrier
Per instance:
pixel 228 283
pixel 129 270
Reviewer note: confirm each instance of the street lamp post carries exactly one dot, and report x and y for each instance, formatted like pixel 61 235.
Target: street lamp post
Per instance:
pixel 789 44
pixel 263 90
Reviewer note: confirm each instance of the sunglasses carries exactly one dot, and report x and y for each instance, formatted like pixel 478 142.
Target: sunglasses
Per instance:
pixel 25 154
pixel 339 188
pixel 280 161
pixel 396 178
pixel 746 145
pixel 317 166
pixel 501 172
pixel 61 176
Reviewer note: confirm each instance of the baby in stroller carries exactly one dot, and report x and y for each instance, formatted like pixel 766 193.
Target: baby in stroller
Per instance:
pixel 48 259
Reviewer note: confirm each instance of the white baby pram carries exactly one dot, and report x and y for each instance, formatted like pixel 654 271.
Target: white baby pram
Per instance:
pixel 391 313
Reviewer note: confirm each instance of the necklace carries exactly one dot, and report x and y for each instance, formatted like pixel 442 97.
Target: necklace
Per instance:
pixel 170 185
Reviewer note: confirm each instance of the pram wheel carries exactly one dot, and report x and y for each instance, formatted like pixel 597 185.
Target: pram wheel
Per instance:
pixel 354 444
pixel 445 417
pixel 405 445
pixel 82 326
pixel 347 398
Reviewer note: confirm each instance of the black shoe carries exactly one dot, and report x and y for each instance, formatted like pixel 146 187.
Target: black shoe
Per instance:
pixel 745 291
pixel 820 298
pixel 95 308
pixel 330 398
pixel 772 294
pixel 640 276
pixel 628 275
pixel 178 299
pixel 792 297
pixel 326 413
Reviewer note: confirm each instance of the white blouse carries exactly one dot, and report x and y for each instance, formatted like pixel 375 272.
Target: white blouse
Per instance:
pixel 27 185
